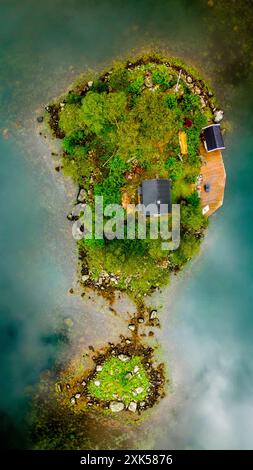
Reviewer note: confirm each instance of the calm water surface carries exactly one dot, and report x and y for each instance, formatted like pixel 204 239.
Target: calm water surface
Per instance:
pixel 207 322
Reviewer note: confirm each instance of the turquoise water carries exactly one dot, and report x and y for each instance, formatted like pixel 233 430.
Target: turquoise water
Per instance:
pixel 208 325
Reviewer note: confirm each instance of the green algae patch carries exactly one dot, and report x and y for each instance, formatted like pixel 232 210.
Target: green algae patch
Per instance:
pixel 121 380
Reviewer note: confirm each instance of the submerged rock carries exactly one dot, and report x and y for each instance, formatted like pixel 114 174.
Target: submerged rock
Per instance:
pixel 116 406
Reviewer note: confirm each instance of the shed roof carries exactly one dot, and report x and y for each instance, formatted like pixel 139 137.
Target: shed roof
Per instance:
pixel 157 193
pixel 213 138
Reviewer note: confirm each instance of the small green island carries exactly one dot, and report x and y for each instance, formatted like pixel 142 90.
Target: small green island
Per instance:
pixel 118 129
pixel 141 120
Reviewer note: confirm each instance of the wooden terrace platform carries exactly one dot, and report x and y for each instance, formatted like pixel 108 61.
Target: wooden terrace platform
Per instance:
pixel 213 173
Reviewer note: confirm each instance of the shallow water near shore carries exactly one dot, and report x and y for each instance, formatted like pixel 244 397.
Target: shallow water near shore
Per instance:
pixel 207 324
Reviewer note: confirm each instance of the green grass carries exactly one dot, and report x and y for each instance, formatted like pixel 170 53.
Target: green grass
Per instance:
pixel 115 384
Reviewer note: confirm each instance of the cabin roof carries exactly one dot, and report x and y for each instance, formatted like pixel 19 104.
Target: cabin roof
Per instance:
pixel 155 192
pixel 213 138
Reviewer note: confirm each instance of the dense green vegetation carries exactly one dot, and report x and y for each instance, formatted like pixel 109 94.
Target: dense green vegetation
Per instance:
pixel 124 129
pixel 124 381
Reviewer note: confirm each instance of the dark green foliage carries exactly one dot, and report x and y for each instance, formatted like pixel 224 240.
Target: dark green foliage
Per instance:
pixel 136 86
pixel 193 199
pixel 99 86
pixel 73 98
pixel 191 102
pixel 161 76
pixel 171 101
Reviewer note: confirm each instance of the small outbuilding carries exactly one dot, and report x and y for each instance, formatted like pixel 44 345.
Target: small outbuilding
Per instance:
pixel 155 193
pixel 213 139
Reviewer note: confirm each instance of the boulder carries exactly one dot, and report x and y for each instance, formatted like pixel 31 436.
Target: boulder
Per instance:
pixel 97 383
pixel 153 314
pixel 218 115
pixel 123 357
pixel 131 327
pixel 77 395
pixel 116 406
pixel 81 195
pixel 139 390
pixel 132 406
pixel 99 368
pixel 136 369
pixel 72 401
pixel 189 79
pixel 90 83
pixel 85 277
pixel 40 119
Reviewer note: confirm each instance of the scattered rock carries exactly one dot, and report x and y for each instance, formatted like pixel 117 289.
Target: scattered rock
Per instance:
pixel 148 80
pixel 140 320
pixel 71 290
pixel 189 79
pixel 128 376
pixel 136 369
pixel 72 401
pixel 85 277
pixel 139 390
pixel 40 119
pixel 99 368
pixel 81 197
pixel 132 406
pixel 83 383
pixel 59 388
pixel 97 383
pixel 218 115
pixel 142 404
pixel 203 102
pixel 123 357
pixel 77 395
pixel 197 90
pixel 67 386
pixel 128 341
pixel 153 314
pixel 90 83
pixel 131 327
pixel 116 406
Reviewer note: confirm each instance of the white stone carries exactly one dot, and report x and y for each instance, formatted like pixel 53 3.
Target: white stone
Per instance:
pixel 97 383
pixel 123 357
pixel 139 390
pixel 132 406
pixel 136 369
pixel 90 83
pixel 131 327
pixel 99 368
pixel 218 115
pixel 78 395
pixel 116 406
pixel 73 401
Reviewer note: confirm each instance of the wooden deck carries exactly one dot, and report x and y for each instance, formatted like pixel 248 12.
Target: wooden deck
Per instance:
pixel 213 172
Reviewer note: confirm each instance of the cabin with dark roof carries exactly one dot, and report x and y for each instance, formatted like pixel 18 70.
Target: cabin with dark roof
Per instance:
pixel 213 139
pixel 155 193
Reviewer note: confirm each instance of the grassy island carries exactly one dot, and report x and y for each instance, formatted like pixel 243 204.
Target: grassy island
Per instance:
pixel 120 128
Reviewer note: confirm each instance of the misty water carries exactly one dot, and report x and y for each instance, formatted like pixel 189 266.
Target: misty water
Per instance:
pixel 207 322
